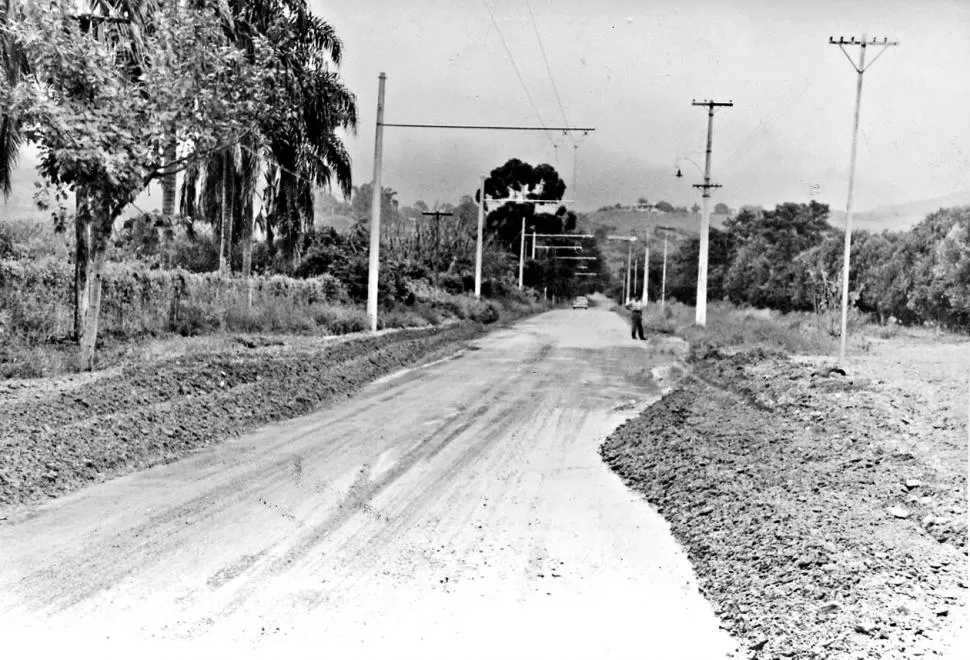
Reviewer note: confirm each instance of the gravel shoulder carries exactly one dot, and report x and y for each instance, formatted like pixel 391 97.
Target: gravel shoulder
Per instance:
pixel 825 514
pixel 173 398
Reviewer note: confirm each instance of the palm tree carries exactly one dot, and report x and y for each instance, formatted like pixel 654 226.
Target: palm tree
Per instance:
pixel 13 64
pixel 299 148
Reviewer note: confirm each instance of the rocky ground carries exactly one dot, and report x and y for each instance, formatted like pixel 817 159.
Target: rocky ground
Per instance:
pixel 825 513
pixel 59 434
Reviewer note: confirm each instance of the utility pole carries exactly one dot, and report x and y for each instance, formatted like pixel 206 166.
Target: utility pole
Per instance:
pixel 575 162
pixel 663 278
pixel 700 314
pixel 629 264
pixel 478 242
pixel 636 263
pixel 646 275
pixel 375 212
pixel 521 253
pixel 860 69
pixel 437 218
pixel 533 243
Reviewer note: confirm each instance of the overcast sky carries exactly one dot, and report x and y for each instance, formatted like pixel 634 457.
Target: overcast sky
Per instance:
pixel 630 69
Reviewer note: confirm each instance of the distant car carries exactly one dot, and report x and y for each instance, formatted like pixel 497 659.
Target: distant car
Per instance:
pixel 581 303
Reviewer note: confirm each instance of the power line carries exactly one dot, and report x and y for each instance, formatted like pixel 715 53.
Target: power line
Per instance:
pixel 543 127
pixel 508 52
pixel 545 59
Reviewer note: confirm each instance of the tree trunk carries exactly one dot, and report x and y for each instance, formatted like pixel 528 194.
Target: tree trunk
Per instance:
pixel 230 211
pixel 223 196
pixel 169 182
pixel 247 238
pixel 82 230
pixel 91 307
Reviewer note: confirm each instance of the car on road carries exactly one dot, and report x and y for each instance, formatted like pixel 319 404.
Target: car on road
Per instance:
pixel 581 302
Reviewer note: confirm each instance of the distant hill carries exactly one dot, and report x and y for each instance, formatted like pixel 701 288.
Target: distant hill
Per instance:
pixel 624 222
pixel 899 217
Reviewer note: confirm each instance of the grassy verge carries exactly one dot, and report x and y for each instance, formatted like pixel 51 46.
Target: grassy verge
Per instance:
pixel 29 357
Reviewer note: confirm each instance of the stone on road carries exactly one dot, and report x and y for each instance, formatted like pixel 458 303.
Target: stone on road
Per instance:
pixel 455 510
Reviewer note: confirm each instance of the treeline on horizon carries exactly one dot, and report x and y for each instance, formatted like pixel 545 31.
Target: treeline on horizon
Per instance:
pixel 790 259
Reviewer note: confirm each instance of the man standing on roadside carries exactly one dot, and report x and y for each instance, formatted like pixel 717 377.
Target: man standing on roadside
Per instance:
pixel 635 305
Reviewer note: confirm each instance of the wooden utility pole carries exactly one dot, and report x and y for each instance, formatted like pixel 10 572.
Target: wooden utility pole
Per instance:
pixel 375 212
pixel 478 241
pixel 860 69
pixel 522 253
pixel 437 235
pixel 700 314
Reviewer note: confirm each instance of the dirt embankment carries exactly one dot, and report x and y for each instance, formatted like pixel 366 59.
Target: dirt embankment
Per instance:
pixel 825 515
pixel 56 436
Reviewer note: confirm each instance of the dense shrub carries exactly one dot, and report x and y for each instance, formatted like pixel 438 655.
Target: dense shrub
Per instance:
pixel 36 300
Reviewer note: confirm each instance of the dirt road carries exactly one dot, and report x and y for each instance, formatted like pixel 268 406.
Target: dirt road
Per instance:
pixel 457 510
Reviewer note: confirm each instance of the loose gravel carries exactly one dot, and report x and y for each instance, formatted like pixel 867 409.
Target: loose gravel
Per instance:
pixel 57 437
pixel 823 516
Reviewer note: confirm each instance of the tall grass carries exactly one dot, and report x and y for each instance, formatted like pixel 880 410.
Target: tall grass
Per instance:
pixel 734 328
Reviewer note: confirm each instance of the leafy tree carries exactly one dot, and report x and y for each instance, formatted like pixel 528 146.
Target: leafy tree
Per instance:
pixel 695 208
pixel 763 271
pixel 666 207
pixel 99 111
pixel 953 268
pixel 682 267
pixel 298 146
pixel 722 208
pixel 519 179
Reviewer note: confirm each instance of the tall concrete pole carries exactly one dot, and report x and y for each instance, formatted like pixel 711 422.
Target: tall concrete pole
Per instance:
pixel 848 204
pixel 375 214
pixel 478 242
pixel 860 69
pixel 700 313
pixel 636 262
pixel 533 244
pixel 521 253
pixel 663 277
pixel 629 266
pixel 646 275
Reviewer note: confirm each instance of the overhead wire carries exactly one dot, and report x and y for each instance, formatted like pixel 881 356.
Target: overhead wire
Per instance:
pixel 555 90
pixel 515 67
pixel 545 59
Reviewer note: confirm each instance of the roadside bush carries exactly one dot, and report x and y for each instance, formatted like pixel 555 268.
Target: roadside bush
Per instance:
pixel 36 301
pixel 340 320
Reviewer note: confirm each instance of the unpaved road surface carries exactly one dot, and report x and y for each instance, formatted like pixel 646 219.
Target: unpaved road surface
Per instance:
pixel 457 510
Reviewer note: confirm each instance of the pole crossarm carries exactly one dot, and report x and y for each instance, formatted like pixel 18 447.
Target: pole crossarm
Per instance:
pixel 437 214
pixel 713 104
pixel 471 127
pixel 518 200
pixel 863 42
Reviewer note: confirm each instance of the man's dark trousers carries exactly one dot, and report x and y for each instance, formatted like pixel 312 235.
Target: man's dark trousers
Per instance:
pixel 637 329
